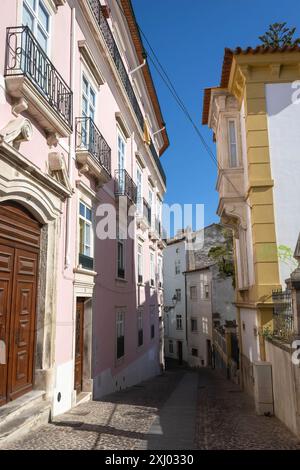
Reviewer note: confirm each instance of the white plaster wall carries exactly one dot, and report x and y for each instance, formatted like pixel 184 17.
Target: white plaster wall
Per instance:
pixel 284 375
pixel 145 367
pixel 284 141
pixel 64 384
pixel 250 344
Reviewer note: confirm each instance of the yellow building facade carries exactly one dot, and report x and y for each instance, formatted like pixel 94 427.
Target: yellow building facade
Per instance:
pixel 254 115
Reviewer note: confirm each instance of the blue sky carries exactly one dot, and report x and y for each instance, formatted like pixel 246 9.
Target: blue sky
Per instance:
pixel 189 37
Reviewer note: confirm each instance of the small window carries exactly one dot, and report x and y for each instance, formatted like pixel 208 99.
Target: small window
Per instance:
pixel 194 325
pixel 233 159
pixel 152 270
pixel 140 328
pixel 171 347
pixel 160 271
pixel 205 325
pixel 179 322
pixel 177 267
pixel 85 236
pixel 178 295
pixel 194 352
pixel 140 263
pixel 152 320
pixel 193 292
pixel 120 334
pixel 121 258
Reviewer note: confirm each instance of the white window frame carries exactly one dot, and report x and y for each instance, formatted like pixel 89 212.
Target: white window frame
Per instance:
pixel 230 121
pixel 205 325
pixel 139 196
pixel 140 267
pixel 160 268
pixel 179 322
pixel 36 21
pixel 152 266
pixel 120 330
pixel 178 297
pixel 86 222
pixel 193 293
pixel 91 105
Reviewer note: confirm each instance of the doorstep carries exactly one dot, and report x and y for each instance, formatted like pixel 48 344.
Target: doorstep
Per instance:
pixel 23 415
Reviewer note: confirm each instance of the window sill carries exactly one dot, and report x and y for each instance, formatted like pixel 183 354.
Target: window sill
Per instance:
pixel 80 270
pixel 121 279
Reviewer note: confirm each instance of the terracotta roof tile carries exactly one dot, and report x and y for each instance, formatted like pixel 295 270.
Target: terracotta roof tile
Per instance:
pixel 206 105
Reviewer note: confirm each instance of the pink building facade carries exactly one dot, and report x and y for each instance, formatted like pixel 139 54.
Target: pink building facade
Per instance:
pixel 81 133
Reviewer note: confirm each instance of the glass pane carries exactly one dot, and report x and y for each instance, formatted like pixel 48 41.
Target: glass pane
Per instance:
pixel 87 251
pixel 85 107
pixel 88 214
pixel 85 86
pixel 31 3
pixel 43 16
pixel 82 209
pixel 87 235
pixel 81 236
pixel 92 114
pixel 232 132
pixel 27 18
pixel 233 155
pixel 92 97
pixel 42 38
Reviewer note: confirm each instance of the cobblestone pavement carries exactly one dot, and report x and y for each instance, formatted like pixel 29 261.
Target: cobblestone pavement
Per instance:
pixel 226 419
pixel 119 422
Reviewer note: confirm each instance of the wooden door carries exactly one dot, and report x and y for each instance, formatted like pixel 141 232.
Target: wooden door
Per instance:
pixel 19 250
pixel 79 345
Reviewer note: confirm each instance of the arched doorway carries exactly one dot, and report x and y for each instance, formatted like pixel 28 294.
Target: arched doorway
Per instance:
pixel 20 236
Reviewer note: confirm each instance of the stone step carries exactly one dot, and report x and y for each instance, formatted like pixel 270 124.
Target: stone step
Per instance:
pixel 23 415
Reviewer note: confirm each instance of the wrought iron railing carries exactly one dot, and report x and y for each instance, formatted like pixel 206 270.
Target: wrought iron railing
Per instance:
pixel 89 137
pixel 115 54
pixel 125 186
pixel 25 57
pixel 283 318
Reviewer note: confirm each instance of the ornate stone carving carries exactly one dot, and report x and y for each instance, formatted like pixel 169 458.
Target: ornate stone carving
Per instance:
pixel 57 169
pixel 52 139
pixel 19 106
pixel 16 131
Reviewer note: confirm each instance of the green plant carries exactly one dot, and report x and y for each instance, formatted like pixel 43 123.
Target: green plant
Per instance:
pixel 267 332
pixel 279 35
pixel 223 255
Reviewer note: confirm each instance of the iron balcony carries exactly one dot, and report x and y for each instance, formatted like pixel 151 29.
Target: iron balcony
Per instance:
pixel 125 186
pixel 28 69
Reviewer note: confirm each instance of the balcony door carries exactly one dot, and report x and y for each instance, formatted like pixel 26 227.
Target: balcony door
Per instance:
pixel 37 17
pixel 88 114
pixel 121 162
pixel 139 190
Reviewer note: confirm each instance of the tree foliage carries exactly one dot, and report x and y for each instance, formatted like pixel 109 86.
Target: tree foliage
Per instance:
pixel 223 255
pixel 279 35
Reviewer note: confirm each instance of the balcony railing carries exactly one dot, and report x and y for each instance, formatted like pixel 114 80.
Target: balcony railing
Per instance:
pixel 144 209
pixel 125 186
pixel 25 57
pixel 283 318
pixel 116 56
pixel 88 137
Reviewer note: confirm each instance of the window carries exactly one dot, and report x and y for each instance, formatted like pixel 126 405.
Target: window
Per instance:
pixel 150 201
pixel 205 325
pixel 171 347
pixel 178 295
pixel 204 287
pixel 194 325
pixel 178 322
pixel 121 258
pixel 152 320
pixel 140 328
pixel 88 111
pixel 139 190
pixel 121 162
pixel 37 18
pixel 152 269
pixel 177 266
pixel 194 352
pixel 85 236
pixel 120 334
pixel 140 263
pixel 233 161
pixel 193 292
pixel 160 271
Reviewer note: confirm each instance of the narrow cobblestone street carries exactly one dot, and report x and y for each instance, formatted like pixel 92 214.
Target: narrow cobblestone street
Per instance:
pixel 178 410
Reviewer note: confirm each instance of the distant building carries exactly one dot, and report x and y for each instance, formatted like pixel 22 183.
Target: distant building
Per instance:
pixel 205 296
